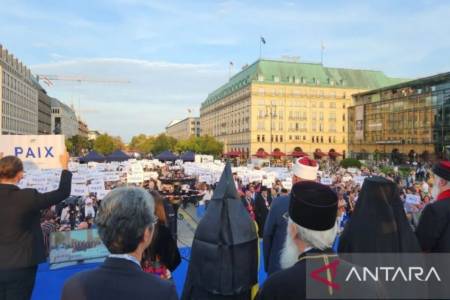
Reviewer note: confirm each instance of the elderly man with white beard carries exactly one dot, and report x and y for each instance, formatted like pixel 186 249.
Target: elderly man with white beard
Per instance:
pixel 311 231
pixel 433 231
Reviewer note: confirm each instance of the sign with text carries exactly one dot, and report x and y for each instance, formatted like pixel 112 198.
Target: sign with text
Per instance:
pixel 36 151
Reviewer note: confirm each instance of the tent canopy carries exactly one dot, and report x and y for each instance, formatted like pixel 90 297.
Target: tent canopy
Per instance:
pixel 117 155
pixel 92 156
pixel 188 156
pixel 167 156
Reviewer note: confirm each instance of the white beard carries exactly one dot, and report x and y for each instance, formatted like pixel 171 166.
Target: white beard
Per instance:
pixel 435 191
pixel 289 254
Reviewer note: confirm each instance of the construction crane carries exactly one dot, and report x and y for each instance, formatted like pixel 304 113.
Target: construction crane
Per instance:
pixel 48 79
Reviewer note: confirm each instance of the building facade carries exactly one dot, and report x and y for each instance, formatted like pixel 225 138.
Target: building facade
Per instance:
pixel 183 129
pixel 44 109
pixel 64 119
pixel 83 129
pixel 93 134
pixel 284 105
pixel 18 97
pixel 413 115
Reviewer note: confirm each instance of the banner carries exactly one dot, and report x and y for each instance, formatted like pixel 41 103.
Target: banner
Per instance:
pixel 36 151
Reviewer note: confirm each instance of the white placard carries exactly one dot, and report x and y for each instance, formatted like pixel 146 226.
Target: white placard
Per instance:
pixel 135 178
pixel 79 190
pixel 287 184
pixel 359 179
pixel 36 151
pixel 326 181
pixel 413 199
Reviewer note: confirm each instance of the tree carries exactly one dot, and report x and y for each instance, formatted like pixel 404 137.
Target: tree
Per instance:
pixel 163 142
pixel 142 143
pixel 78 144
pixel 204 145
pixel 106 144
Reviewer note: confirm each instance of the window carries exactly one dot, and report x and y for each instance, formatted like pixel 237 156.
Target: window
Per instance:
pixel 258 138
pixel 276 78
pixel 312 139
pixel 260 77
pixel 281 138
pixel 332 104
pixel 321 139
pixel 329 139
pixel 343 117
pixel 263 138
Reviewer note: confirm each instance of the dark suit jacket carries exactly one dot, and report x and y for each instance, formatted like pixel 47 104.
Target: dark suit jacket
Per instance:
pixel 261 212
pixel 433 231
pixel 275 233
pixel 21 239
pixel 117 278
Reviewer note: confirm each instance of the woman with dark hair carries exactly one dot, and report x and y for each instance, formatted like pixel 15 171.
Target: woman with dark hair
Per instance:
pixel 162 257
pixel 21 241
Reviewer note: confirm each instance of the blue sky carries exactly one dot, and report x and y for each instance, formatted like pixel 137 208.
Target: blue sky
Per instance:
pixel 176 52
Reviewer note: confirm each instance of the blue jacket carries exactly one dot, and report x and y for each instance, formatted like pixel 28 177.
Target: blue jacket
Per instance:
pixel 275 234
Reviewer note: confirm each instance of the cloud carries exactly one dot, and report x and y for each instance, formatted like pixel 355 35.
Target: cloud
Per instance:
pixel 158 91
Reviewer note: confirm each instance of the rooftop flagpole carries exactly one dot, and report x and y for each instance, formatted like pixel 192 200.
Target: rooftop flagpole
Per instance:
pixel 261 42
pixel 322 48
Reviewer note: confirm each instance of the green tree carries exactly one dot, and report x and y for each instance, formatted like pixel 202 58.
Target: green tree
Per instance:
pixel 163 142
pixel 105 144
pixel 142 143
pixel 79 144
pixel 202 145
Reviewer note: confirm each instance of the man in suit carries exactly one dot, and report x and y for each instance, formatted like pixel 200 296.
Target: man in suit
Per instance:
pixel 262 205
pixel 433 231
pixel 125 223
pixel 21 240
pixel 274 236
pixel 311 231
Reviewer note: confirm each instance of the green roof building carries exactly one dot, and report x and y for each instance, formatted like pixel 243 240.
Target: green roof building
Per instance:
pixel 282 105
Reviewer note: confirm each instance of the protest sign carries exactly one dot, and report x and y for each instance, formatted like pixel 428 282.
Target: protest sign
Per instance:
pixel 359 180
pixel 36 151
pixel 79 190
pixel 412 199
pixel 326 181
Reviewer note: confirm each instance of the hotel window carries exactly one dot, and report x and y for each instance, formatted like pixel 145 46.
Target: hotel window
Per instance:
pixel 260 78
pixel 280 127
pixel 312 139
pixel 258 138
pixel 321 139
pixel 290 137
pixel 329 139
pixel 321 116
pixel 297 80
pixel 276 78
pixel 263 138
pixel 320 127
pixel 343 117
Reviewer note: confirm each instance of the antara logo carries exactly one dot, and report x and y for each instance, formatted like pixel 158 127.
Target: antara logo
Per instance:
pixel 328 268
pixel 392 273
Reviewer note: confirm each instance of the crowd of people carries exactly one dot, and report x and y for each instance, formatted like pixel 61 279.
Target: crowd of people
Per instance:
pixel 322 209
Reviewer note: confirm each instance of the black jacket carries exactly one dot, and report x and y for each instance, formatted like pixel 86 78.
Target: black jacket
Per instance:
pixel 261 212
pixel 292 283
pixel 433 231
pixel 21 239
pixel 117 278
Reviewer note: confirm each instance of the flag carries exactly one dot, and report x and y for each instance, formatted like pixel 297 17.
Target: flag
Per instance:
pixel 189 110
pixel 322 45
pixel 231 63
pixel 263 40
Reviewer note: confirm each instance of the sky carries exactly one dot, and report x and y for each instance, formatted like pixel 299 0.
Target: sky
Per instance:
pixel 176 52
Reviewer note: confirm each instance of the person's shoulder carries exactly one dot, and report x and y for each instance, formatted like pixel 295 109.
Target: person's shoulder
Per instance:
pixel 280 278
pixel 154 282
